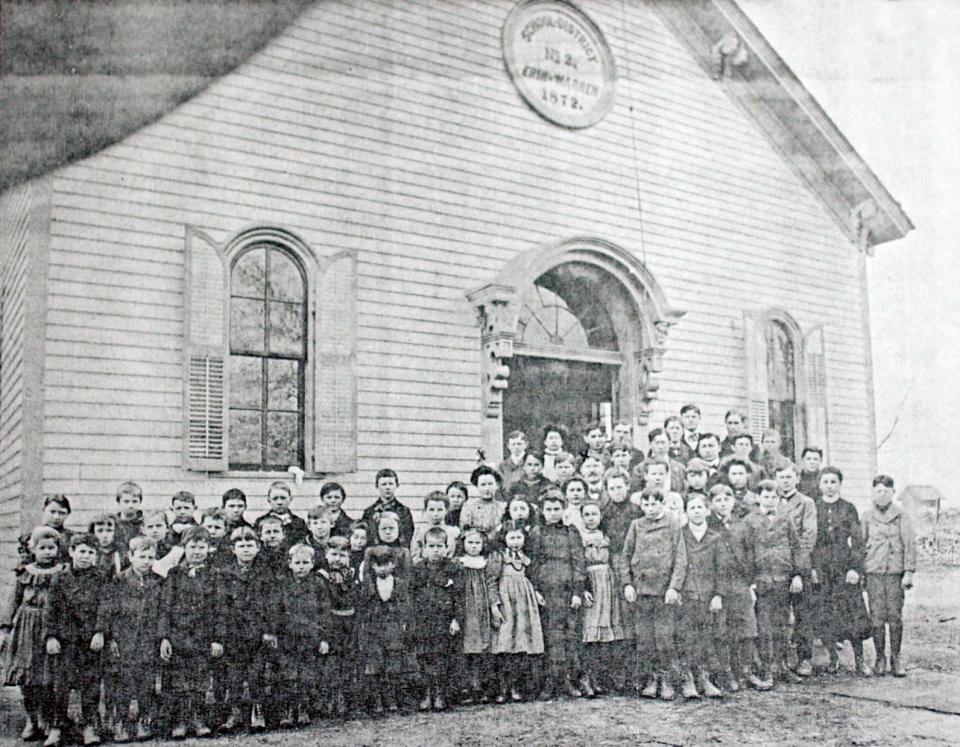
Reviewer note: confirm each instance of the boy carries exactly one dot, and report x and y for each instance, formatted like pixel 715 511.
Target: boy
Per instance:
pixel 511 467
pixel 770 456
pixel 811 461
pixel 708 450
pixel 71 623
pixel 660 452
pixel 183 505
pixel 655 477
pixel 435 507
pixel 359 539
pixel 435 590
pixel 594 439
pixel 890 559
pixel 387 483
pixel 279 497
pixel 319 524
pixel 127 623
pixel 332 495
pixel 303 625
pixel 743 450
pixel 653 565
pixel 779 565
pixel 702 600
pixel 272 557
pixel 213 520
pixel 564 467
pixel 251 620
pixel 690 418
pixel 111 558
pixel 738 478
pixel 558 573
pixel 234 503
pixel 733 422
pixel 191 628
pixel 338 585
pixel 736 637
pixel 532 480
pixel 803 512
pixel 129 515
pixel 696 476
pixel 155 527
pixel 622 438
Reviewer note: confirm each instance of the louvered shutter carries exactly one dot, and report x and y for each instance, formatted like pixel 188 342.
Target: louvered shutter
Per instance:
pixel 815 389
pixel 205 353
pixel 335 384
pixel 755 356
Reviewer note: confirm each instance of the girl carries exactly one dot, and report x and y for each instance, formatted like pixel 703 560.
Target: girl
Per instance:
pixel 56 509
pixel 22 646
pixel 110 559
pixel 359 539
pixel 514 611
pixel 522 513
pixel 840 613
pixel 388 537
pixel 554 437
pixel 477 629
pixel 457 493
pixel 601 614
pixel 155 528
pixel 532 480
pixel 564 467
pixel 678 449
pixel 575 491
pixel 484 512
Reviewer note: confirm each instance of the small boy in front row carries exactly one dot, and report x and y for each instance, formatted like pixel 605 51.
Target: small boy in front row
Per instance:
pixel 778 566
pixel 435 508
pixel 890 559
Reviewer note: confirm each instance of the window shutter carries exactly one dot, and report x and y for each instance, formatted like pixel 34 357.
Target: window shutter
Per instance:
pixel 755 349
pixel 815 375
pixel 205 353
pixel 335 386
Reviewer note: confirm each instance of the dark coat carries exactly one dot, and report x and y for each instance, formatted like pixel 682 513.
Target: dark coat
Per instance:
pixel 702 579
pixel 654 556
pixel 128 615
pixel 294 528
pixel 776 548
pixel 303 617
pixel 557 566
pixel 436 590
pixel 839 546
pixel 247 611
pixel 71 616
pixel 372 516
pixel 192 610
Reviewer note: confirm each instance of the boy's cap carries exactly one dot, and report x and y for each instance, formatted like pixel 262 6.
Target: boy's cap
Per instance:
pixel 697 465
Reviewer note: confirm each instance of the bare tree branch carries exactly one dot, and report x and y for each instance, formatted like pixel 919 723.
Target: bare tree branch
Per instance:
pixel 896 418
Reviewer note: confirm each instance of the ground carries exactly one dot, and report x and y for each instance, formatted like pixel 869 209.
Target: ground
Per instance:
pixel 827 710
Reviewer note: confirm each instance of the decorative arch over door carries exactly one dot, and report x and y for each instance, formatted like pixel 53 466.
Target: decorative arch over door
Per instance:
pixel 608 309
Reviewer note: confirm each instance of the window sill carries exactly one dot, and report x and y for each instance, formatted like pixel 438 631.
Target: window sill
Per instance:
pixel 240 474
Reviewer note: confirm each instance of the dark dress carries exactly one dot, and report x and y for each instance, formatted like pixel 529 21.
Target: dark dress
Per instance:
pixel 436 595
pixel 383 639
pixel 303 624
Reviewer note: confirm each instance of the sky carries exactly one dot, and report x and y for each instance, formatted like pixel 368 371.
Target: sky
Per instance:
pixel 888 74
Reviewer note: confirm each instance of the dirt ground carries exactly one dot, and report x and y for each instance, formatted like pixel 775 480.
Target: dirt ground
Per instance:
pixel 829 710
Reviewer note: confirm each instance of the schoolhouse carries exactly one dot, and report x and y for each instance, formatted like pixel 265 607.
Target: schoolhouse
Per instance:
pixel 403 228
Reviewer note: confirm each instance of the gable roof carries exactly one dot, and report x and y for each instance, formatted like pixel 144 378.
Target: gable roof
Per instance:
pixel 921 494
pixel 77 77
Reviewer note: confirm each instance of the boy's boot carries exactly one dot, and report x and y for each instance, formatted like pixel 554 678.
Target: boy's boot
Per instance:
pixel 120 733
pixel 805 668
pixel 896 637
pixel 30 731
pixel 503 688
pixel 426 702
pixel 880 644
pixel 708 689
pixel 233 719
pixel 200 727
pixel 547 692
pixel 378 705
pixel 393 695
pixel 650 689
pixel 303 715
pixel 439 703
pixel 286 720
pixel 666 685
pixel 730 681
pixel 257 722
pixel 340 705
pixel 757 683
pixel 54 737
pixel 90 735
pixel 143 730
pixel 569 688
pixel 788 675
pixel 586 687
pixel 862 668
pixel 687 686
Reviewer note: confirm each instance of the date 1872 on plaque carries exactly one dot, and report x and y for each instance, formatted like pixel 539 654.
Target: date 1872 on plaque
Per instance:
pixel 559 62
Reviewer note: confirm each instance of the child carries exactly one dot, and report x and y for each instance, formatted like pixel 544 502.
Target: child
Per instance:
pixel 280 497
pixel 653 563
pixel 678 450
pixel 511 468
pixel 183 505
pixel 697 476
pixel 388 536
pixel 803 512
pixel 22 646
pixel 702 600
pixel 70 627
pixel 514 612
pixel 743 451
pixel 384 618
pixel 332 495
pixel 778 568
pixel 111 560
pixel 320 525
pixel 736 637
pixel 251 620
pixel 272 557
pixel 522 513
pixel 554 437
pixel 359 535
pixel 435 508
pixel 620 458
pixel 191 630
pixel 660 452
pixel 56 509
pixel 127 626
pixel 564 467
pixel 559 575
pixel 302 635
pixel 811 461
pixel 477 624
pixel 890 558
pixel 656 475
pixel 690 417
pixel 387 483
pixel 622 440
pixel 708 450
pixel 770 456
pixel 338 582
pixel 837 565
pixel 738 478
pixel 435 591
pixel 129 516
pixel 532 480
pixel 457 494
pixel 575 493
pixel 234 504
pixel 601 613
pixel 213 520
pixel 154 527
pixel 483 512
pixel 594 439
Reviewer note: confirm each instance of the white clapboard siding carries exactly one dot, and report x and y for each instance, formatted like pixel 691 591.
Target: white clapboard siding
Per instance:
pixel 392 130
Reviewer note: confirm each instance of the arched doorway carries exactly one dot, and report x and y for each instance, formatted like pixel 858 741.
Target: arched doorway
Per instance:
pixel 570 332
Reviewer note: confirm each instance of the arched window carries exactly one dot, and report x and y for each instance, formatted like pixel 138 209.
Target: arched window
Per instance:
pixel 782 384
pixel 268 351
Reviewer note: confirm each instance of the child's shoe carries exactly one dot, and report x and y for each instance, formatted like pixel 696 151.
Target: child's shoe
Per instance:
pixel 650 689
pixel 805 668
pixel 257 722
pixel 515 695
pixel 708 689
pixel 233 720
pixel 340 706
pixel 390 701
pixel 439 704
pixel 785 674
pixel 54 737
pixel 426 702
pixel 200 728
pixel 120 733
pixel 586 687
pixel 687 687
pixel 144 731
pixel 666 688
pixel 178 732
pixel 287 720
pixel 547 692
pixel 30 731
pixel 570 689
pixel 730 681
pixel 90 735
pixel 896 667
pixel 303 715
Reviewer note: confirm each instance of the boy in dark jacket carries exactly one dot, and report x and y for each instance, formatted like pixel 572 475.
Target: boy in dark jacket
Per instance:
pixel 558 572
pixel 294 528
pixel 191 629
pixel 338 583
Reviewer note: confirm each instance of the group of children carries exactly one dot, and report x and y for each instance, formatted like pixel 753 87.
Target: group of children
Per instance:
pixel 697 565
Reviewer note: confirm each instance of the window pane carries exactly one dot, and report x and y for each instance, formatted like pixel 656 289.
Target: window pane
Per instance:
pixel 249 275
pixel 246 325
pixel 282 438
pixel 283 387
pixel 245 437
pixel 286 329
pixel 285 281
pixel 246 382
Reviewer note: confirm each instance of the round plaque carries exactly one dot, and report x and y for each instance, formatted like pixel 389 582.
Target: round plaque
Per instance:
pixel 559 62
